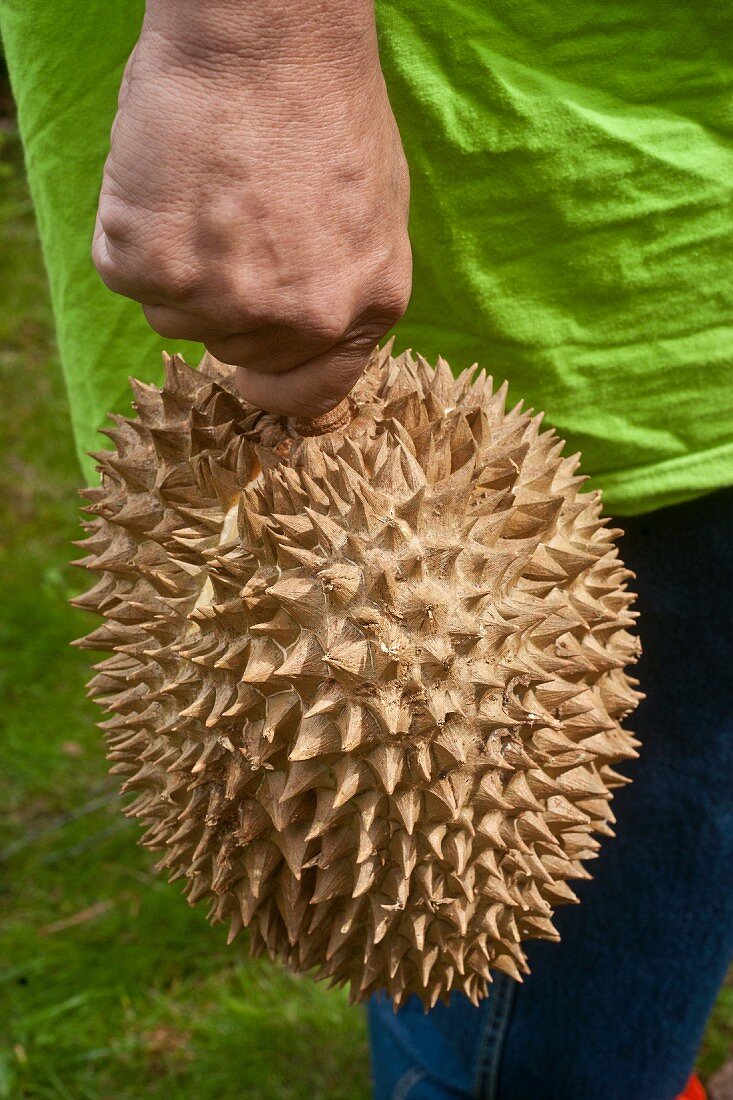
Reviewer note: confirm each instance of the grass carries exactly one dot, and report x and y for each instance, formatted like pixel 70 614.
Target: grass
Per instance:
pixel 111 988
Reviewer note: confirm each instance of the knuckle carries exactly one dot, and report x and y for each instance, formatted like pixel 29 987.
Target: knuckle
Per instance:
pixel 326 322
pixel 108 270
pixel 395 287
pixel 174 279
pixel 242 298
pixel 115 217
pixel 144 258
pixel 393 304
pixel 327 327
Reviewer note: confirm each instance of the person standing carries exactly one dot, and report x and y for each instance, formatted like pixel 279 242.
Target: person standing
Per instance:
pixel 571 175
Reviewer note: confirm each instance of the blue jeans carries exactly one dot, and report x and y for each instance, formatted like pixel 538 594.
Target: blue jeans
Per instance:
pixel 617 1009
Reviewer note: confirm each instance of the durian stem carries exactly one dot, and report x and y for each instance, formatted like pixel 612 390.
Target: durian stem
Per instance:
pixel 331 421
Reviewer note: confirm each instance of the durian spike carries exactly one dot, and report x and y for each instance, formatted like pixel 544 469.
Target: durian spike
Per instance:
pixel 368 670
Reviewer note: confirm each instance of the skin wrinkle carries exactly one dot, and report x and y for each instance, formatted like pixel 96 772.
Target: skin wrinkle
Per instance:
pixel 274 32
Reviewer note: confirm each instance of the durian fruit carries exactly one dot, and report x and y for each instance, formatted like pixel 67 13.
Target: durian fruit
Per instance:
pixel 367 685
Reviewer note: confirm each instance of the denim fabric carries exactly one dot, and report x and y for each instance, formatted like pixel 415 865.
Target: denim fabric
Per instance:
pixel 616 1010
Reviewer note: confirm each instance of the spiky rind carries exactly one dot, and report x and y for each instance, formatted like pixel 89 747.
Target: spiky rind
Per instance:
pixel 367 687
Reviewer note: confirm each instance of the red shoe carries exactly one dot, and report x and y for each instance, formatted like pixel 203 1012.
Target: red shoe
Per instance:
pixel 693 1090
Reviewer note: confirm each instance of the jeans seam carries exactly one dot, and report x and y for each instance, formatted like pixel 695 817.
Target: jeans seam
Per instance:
pixel 405 1084
pixel 499 1009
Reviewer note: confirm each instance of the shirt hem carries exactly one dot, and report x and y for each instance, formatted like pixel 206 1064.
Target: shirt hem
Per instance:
pixel 633 492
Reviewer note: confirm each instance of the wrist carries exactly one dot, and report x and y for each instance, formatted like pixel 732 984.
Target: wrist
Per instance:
pixel 278 33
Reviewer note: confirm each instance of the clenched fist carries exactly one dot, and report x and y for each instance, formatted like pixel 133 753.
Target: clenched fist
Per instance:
pixel 255 197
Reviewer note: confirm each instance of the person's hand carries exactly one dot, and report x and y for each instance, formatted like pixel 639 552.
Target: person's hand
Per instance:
pixel 255 197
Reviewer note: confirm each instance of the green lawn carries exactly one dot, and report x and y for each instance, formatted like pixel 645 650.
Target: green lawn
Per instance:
pixel 110 985
pixel 111 988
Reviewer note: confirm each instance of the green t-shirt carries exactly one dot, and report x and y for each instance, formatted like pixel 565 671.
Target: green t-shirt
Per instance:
pixel 572 178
